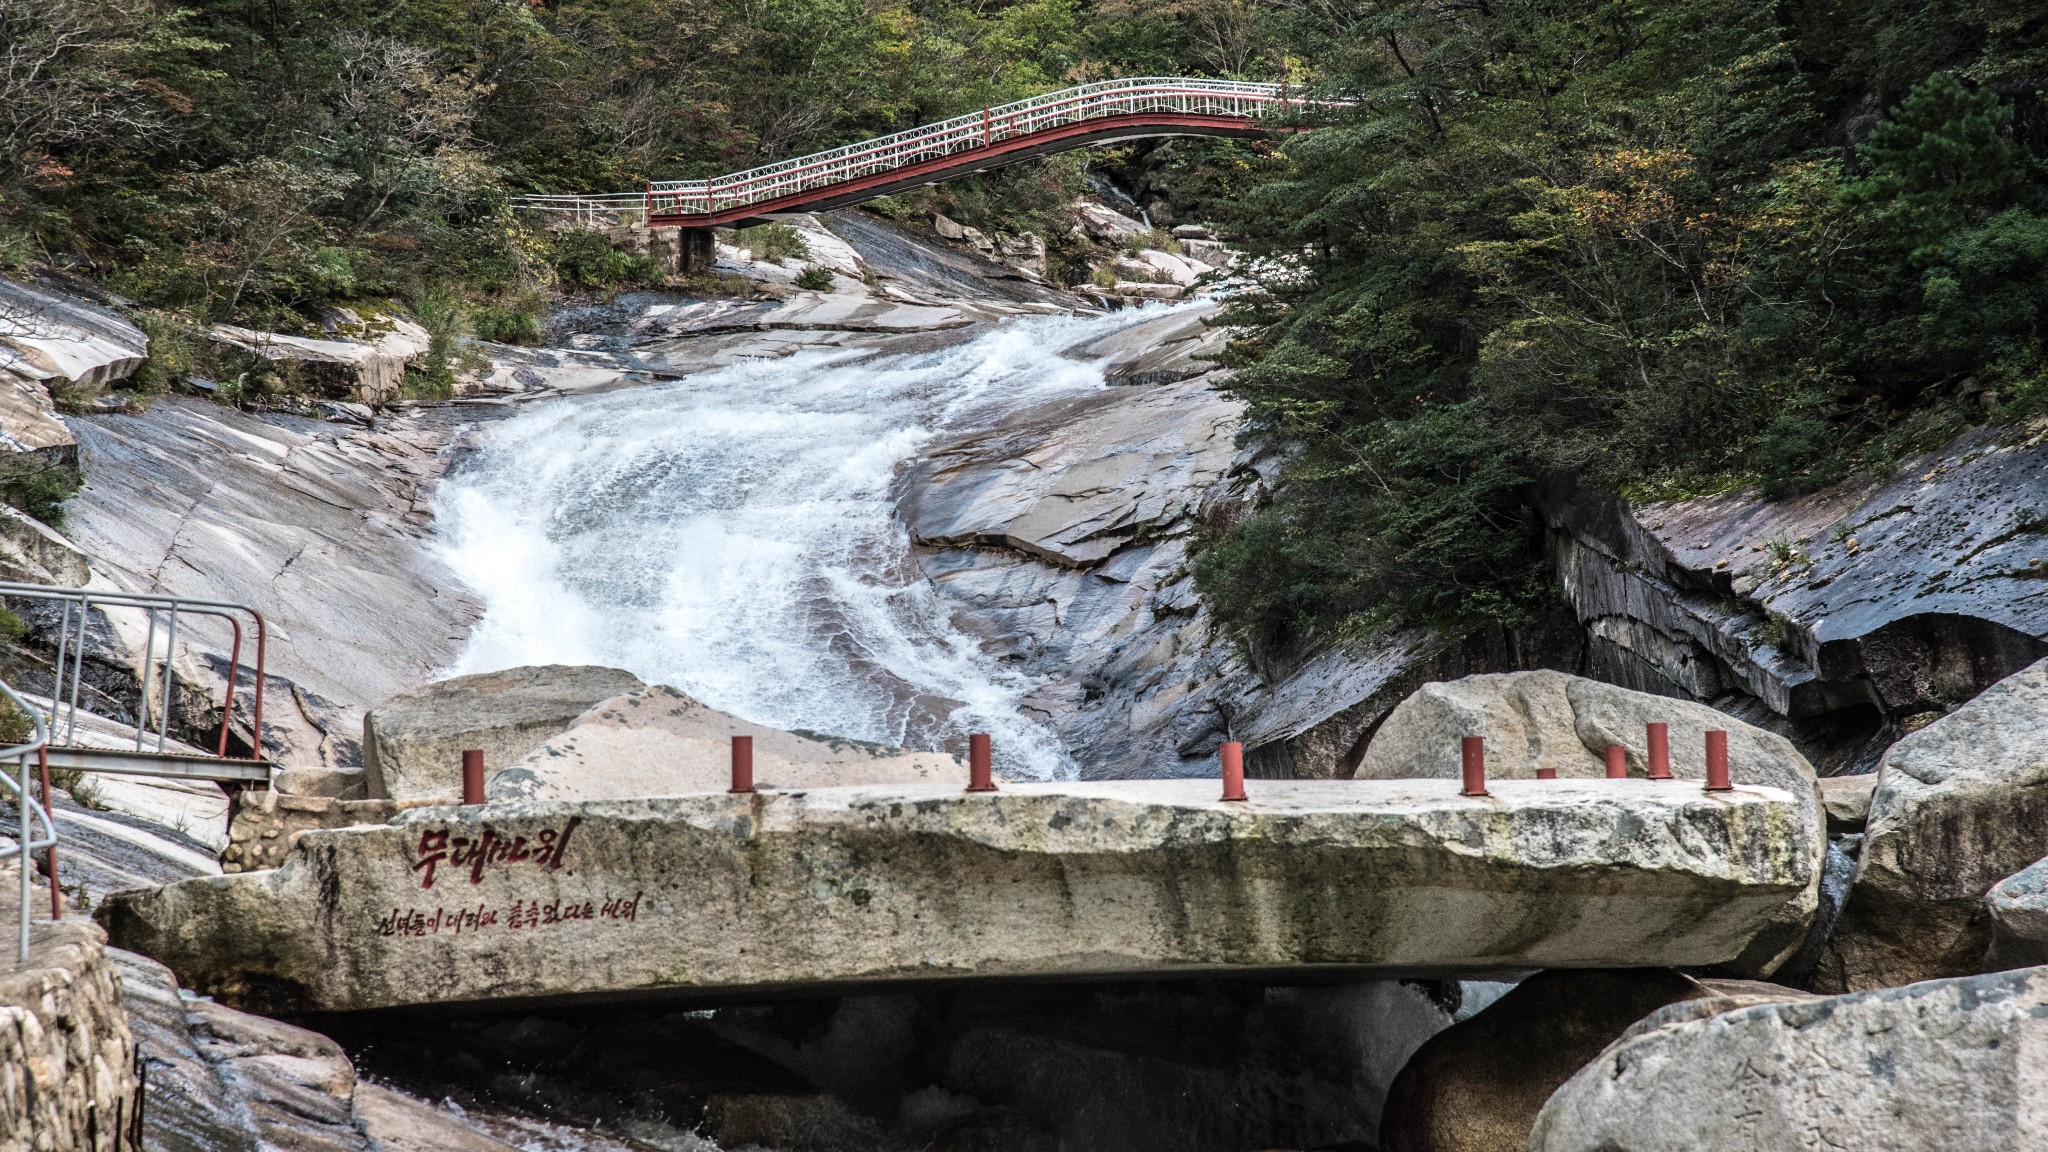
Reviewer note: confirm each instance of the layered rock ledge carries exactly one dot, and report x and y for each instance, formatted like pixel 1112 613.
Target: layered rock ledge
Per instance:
pixel 837 888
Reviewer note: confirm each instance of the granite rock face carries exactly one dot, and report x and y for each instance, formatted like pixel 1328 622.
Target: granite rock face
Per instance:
pixel 1959 806
pixel 1060 541
pixel 1478 1085
pixel 413 742
pixel 324 527
pixel 1899 598
pixel 67 1058
pixel 659 742
pixel 1948 1064
pixel 1542 719
pixel 835 886
pixel 225 1081
pixel 52 339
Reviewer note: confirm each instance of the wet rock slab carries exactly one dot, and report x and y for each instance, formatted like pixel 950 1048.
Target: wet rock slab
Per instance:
pixel 870 885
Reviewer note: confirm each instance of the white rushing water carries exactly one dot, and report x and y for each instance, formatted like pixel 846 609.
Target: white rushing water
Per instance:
pixel 732 534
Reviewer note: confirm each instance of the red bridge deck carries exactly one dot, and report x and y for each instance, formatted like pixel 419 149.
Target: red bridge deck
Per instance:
pixel 1076 117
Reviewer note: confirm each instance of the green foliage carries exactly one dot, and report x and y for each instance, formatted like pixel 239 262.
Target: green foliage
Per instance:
pixel 773 242
pixel 814 278
pixel 1625 245
pixel 585 259
pixel 40 491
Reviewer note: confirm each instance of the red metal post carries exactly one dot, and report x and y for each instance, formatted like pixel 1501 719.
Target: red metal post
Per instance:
pixel 1546 773
pixel 1233 770
pixel 742 764
pixel 472 776
pixel 56 889
pixel 980 772
pixel 1617 762
pixel 1474 749
pixel 227 712
pixel 1660 751
pixel 1717 762
pixel 262 649
pixel 984 128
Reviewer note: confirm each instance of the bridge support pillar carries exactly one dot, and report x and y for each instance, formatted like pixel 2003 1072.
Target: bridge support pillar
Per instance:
pixel 695 251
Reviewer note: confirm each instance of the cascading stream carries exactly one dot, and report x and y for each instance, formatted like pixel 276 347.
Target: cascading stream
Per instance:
pixel 732 534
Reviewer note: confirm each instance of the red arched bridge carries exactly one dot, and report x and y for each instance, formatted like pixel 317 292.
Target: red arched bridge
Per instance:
pixel 1099 113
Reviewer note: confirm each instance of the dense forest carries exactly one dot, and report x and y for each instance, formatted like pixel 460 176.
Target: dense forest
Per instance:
pixel 1667 246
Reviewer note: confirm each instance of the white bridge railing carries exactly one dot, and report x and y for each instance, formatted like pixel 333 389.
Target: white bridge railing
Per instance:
pixel 972 132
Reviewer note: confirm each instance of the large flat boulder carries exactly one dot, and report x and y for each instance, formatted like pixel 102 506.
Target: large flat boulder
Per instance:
pixel 658 742
pixel 1959 806
pixel 47 336
pixel 2019 918
pixel 1953 1065
pixel 1478 1085
pixel 830 887
pixel 1542 719
pixel 413 742
pixel 370 370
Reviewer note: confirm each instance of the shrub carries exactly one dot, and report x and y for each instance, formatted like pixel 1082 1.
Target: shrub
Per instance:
pixel 774 242
pixel 814 278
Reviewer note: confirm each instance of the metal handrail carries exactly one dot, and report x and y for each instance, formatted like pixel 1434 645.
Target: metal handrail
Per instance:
pixel 973 131
pixel 27 805
pixel 78 604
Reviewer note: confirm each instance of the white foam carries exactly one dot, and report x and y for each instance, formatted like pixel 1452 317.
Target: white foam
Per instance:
pixel 732 534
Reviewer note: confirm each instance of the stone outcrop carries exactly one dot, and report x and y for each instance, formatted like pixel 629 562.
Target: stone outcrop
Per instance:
pixel 1107 224
pixel 1478 1085
pixel 1543 719
pixel 67 1058
pixel 1959 806
pixel 1179 345
pixel 899 883
pixel 368 371
pixel 267 821
pixel 659 742
pixel 47 335
pixel 1903 597
pixel 1948 1064
pixel 413 742
pixel 51 339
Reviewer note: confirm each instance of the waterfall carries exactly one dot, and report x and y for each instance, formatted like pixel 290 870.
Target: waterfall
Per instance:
pixel 733 534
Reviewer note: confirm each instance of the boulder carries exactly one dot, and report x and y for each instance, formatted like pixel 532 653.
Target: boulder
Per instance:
pixel 1133 290
pixel 1107 224
pixel 1478 1085
pixel 886 886
pixel 2019 918
pixel 67 1057
pixel 1847 801
pixel 369 371
pixel 658 742
pixel 413 742
pixel 1949 1064
pixel 1192 232
pixel 32 552
pixel 1210 252
pixel 1959 806
pixel 946 228
pixel 1544 719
